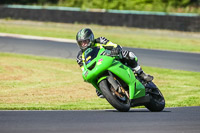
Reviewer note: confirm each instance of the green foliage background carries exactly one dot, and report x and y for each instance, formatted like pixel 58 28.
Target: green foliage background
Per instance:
pixel 144 5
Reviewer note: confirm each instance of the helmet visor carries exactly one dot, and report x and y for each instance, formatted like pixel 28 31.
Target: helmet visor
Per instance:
pixel 84 43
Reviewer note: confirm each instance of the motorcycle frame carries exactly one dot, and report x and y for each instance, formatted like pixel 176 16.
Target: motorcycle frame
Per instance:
pixel 103 64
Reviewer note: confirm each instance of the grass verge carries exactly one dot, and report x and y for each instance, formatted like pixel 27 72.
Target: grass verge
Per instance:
pixel 125 36
pixel 43 83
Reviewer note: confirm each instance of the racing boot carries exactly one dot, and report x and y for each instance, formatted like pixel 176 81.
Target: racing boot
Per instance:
pixel 142 75
pixel 145 77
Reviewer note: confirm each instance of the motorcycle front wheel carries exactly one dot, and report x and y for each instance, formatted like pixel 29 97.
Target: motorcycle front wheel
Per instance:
pixel 121 103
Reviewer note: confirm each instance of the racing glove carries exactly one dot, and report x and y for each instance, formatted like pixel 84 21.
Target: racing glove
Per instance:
pixel 113 52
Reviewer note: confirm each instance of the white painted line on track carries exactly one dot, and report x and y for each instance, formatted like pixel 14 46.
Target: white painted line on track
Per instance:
pixel 37 37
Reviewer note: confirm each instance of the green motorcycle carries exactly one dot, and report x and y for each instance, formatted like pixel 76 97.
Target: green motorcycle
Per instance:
pixel 117 82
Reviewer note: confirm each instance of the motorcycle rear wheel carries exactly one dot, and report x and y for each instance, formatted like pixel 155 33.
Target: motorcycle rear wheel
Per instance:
pixel 122 106
pixel 157 101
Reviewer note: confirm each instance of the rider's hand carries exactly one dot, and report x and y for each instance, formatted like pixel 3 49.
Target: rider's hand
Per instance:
pixel 115 52
pixel 107 52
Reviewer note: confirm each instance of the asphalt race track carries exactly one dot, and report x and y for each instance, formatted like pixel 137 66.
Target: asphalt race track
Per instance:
pixel 171 120
pixel 155 58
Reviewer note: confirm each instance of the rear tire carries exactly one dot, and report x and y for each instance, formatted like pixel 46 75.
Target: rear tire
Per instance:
pixel 112 98
pixel 157 101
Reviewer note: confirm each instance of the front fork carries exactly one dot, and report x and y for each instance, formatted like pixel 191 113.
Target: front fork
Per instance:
pixel 117 86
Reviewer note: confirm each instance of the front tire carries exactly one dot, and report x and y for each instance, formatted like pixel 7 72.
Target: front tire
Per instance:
pixel 122 106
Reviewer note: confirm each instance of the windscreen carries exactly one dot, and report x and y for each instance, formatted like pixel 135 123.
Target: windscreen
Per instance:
pixel 90 54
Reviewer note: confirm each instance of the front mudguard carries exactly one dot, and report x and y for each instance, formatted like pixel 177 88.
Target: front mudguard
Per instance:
pixel 102 78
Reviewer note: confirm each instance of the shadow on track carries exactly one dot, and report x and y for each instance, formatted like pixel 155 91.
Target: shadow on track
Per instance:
pixel 138 111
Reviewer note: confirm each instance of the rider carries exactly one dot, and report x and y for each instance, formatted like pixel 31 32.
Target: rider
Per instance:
pixel 85 39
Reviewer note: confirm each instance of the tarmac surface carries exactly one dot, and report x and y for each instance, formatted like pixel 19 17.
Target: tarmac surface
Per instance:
pixel 154 58
pixel 171 120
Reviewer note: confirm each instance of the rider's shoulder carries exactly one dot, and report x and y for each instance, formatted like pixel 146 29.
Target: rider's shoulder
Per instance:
pixel 101 40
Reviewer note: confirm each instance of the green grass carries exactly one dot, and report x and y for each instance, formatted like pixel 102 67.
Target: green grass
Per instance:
pixel 43 83
pixel 124 36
